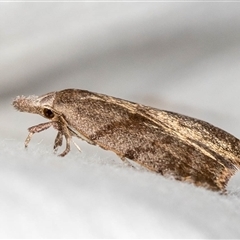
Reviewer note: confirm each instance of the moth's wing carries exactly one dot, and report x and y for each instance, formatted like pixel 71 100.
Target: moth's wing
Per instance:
pixel 215 151
pixel 168 143
pixel 199 132
pixel 186 148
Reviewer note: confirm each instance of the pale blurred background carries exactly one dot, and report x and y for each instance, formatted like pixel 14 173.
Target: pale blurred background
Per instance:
pixel 182 57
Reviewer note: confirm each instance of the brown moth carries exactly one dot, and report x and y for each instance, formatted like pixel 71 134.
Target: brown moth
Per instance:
pixel 164 142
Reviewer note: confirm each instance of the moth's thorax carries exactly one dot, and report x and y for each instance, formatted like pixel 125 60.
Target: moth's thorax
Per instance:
pixel 34 104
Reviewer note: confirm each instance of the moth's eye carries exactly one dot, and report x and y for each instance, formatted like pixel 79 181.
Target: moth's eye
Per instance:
pixel 48 113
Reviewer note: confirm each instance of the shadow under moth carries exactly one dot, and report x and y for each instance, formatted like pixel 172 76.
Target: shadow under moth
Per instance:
pixel 164 142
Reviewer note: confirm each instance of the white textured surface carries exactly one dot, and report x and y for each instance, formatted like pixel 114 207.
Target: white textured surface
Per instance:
pixel 182 57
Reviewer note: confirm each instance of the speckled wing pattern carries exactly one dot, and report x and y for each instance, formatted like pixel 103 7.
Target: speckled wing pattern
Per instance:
pixel 168 143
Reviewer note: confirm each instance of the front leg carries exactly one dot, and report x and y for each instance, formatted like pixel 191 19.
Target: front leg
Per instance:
pixel 36 129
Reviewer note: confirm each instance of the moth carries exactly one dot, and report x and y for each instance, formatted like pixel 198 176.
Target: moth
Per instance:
pixel 164 142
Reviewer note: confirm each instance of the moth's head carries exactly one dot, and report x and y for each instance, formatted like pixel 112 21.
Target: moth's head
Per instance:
pixel 33 104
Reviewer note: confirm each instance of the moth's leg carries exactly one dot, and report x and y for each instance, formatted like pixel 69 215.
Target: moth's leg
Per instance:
pixel 59 138
pixel 126 162
pixel 62 127
pixel 67 149
pixel 79 149
pixel 58 141
pixel 36 129
pixel 224 191
pixel 63 130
